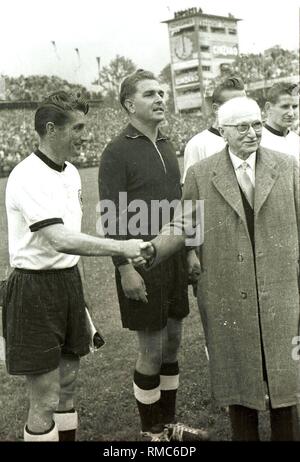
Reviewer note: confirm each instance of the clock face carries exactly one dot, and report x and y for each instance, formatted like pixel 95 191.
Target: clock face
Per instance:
pixel 183 47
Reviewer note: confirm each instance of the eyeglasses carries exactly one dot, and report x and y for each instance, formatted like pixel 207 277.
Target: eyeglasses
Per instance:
pixel 244 128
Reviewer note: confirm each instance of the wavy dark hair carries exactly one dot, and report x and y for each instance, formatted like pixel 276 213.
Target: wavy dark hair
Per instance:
pixel 281 88
pixel 128 86
pixel 231 83
pixel 56 108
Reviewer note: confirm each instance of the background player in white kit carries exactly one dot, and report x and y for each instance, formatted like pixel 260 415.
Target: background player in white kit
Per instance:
pixel 282 109
pixel 210 141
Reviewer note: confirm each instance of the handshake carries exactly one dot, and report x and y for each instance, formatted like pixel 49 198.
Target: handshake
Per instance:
pixel 137 251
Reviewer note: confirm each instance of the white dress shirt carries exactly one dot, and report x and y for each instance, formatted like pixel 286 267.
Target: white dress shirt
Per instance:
pixel 237 162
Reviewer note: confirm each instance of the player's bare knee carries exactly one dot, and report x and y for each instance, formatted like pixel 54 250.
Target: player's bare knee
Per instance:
pixel 43 392
pixel 67 380
pixel 150 360
pixel 46 402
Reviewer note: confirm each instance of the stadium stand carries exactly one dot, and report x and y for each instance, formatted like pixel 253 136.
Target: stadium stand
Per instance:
pixel 18 138
pixel 36 87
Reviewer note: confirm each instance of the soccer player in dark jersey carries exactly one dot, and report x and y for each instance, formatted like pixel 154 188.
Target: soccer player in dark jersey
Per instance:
pixel 140 167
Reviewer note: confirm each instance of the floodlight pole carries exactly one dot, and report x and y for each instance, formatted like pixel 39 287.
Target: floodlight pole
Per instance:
pixel 200 73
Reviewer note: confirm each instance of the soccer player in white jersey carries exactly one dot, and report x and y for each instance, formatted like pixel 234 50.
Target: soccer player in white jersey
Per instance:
pixel 44 319
pixel 209 141
pixel 282 109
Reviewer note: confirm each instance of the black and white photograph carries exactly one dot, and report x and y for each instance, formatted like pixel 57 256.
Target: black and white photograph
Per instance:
pixel 150 224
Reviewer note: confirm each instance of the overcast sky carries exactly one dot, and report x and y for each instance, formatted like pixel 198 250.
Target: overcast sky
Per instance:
pixel 131 28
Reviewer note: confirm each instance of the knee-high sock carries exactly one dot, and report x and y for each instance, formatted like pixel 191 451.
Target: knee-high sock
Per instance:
pixel 50 435
pixel 67 423
pixel 284 424
pixel 244 423
pixel 147 394
pixel 169 383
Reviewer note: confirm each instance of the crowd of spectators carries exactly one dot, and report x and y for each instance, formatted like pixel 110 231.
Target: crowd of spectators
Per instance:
pixel 272 64
pixel 181 128
pixel 18 138
pixel 36 87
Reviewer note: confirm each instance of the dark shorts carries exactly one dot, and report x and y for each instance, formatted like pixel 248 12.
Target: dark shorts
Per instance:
pixel 167 288
pixel 43 317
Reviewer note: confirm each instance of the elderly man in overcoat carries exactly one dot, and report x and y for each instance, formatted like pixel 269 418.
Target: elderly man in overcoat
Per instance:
pixel 248 290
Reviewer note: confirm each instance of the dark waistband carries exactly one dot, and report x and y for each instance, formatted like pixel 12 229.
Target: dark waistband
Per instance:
pixel 48 271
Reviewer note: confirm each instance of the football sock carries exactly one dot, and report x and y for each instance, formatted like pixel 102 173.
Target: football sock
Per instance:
pixel 50 435
pixel 67 423
pixel 169 382
pixel 244 423
pixel 283 424
pixel 147 394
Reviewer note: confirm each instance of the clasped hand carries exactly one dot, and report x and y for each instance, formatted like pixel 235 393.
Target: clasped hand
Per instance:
pixel 138 252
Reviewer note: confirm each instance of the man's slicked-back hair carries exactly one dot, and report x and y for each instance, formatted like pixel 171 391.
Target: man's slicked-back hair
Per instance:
pixel 56 108
pixel 128 86
pixel 282 88
pixel 231 84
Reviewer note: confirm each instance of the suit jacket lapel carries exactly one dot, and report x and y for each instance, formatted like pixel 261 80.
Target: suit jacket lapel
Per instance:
pixel 266 174
pixel 225 182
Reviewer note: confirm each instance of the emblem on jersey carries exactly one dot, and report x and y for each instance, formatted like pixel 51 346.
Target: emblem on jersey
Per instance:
pixel 80 198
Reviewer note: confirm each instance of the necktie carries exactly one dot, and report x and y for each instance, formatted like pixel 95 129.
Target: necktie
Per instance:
pixel 245 183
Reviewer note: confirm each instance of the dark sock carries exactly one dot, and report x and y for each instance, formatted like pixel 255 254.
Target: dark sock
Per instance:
pixel 284 423
pixel 244 423
pixel 169 386
pixel 148 401
pixel 66 434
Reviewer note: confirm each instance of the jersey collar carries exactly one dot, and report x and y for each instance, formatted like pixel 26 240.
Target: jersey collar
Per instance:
pixel 49 162
pixel 132 132
pixel 214 131
pixel 272 130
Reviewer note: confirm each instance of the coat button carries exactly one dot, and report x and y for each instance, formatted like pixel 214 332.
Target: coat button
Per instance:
pixel 240 257
pixel 244 295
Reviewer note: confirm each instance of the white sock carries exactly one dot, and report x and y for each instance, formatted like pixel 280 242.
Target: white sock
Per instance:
pixel 52 435
pixel 66 420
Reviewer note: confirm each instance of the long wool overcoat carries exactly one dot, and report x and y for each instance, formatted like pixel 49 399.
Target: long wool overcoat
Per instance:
pixel 248 301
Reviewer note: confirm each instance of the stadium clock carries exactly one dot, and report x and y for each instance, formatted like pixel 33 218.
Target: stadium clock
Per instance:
pixel 183 47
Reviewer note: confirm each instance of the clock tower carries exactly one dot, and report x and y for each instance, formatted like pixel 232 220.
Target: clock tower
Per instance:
pixel 200 46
